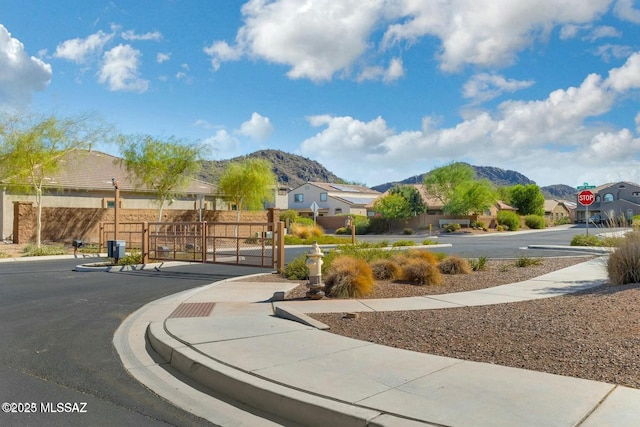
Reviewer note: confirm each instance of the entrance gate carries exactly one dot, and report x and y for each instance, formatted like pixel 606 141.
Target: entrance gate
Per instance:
pixel 237 243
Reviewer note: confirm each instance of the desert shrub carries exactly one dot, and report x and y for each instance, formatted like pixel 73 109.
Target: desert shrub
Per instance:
pixel 562 220
pixel 43 250
pixel 478 224
pixel 635 222
pixel 586 240
pixel 296 269
pixel 536 222
pixel 349 277
pixel 385 269
pixel 454 265
pixel 508 218
pixel 421 272
pixel 305 231
pixel 364 251
pixel 132 258
pixel 478 264
pixel 362 224
pixel 450 228
pixel 429 256
pixel 4 255
pixel 303 220
pixel 502 228
pixel 428 242
pixel 623 265
pixel 403 243
pixel 408 231
pixel 342 230
pixel 525 261
pixel 289 216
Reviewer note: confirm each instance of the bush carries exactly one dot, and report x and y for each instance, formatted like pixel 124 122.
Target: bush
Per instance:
pixel 510 219
pixel 635 221
pixel 349 277
pixel 525 261
pixel 586 240
pixel 428 242
pixel 289 216
pixel 450 228
pixel 297 269
pixel 385 269
pixel 305 231
pixel 535 222
pixel 479 264
pixel 303 220
pixel 502 228
pixel 408 231
pixel 378 225
pixel 421 272
pixel 43 250
pixel 403 243
pixel 562 220
pixel 479 225
pixel 133 258
pixel 343 230
pixel 623 265
pixel 454 265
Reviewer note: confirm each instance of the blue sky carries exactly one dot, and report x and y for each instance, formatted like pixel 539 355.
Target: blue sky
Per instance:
pixel 375 90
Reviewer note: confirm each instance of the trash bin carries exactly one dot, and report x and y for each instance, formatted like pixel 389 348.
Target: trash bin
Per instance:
pixel 116 249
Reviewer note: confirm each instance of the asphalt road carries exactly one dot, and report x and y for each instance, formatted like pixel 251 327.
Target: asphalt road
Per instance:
pixel 56 343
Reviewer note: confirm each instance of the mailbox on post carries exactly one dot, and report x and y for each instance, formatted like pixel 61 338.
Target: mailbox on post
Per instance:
pixel 116 249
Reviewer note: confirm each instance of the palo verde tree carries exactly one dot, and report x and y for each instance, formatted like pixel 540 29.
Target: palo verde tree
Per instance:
pixel 471 197
pixel 248 184
pixel 442 182
pixel 163 166
pixel 32 148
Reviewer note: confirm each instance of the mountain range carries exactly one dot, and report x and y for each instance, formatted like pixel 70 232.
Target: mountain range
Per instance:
pixel 293 170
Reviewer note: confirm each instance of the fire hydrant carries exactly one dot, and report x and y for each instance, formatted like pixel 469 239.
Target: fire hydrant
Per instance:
pixel 314 264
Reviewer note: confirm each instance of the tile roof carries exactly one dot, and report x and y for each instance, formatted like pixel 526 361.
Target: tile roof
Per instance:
pixel 94 170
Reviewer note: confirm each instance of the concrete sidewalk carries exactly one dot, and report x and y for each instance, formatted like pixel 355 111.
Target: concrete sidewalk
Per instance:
pixel 226 337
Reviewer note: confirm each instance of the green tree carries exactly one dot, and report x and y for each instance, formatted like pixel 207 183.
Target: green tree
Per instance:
pixel 528 199
pixel 32 148
pixel 393 207
pixel 248 184
pixel 412 195
pixel 164 167
pixel 442 182
pixel 471 197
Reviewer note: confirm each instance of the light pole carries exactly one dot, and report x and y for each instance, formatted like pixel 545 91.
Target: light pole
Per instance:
pixel 116 212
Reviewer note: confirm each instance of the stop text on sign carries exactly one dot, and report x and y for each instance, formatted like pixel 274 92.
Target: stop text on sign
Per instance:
pixel 586 197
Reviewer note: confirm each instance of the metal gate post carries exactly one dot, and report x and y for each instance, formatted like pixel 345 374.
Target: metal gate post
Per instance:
pixel 145 242
pixel 203 242
pixel 280 258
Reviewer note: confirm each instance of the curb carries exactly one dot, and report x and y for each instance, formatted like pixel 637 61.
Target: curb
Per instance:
pixel 291 404
pixel 297 316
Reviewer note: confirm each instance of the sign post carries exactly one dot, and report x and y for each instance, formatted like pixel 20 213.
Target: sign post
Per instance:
pixel 586 198
pixel 314 208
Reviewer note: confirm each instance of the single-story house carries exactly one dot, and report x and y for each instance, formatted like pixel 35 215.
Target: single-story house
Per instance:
pixel 85 180
pixel 332 199
pixel 555 209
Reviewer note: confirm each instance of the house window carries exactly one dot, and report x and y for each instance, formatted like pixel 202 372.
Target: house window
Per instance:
pixel 111 204
pixel 338 211
pixel 635 194
pixel 597 199
pixel 607 197
pixel 298 198
pixel 282 192
pixel 323 197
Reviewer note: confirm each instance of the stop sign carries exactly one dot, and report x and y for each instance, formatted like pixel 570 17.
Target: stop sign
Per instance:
pixel 586 197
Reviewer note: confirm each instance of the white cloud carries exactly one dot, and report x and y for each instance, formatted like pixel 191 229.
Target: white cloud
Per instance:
pixel 20 74
pixel 625 11
pixel 484 86
pixel 549 140
pixel 120 70
pixel 609 51
pixel 131 35
pixel 78 50
pixel 626 77
pixel 391 73
pixel 603 31
pixel 223 145
pixel 319 39
pixel 162 57
pixel 258 127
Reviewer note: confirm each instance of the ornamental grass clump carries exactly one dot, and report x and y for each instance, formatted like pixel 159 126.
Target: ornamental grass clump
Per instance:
pixel 305 231
pixel 454 265
pixel 385 269
pixel 421 272
pixel 623 265
pixel 349 277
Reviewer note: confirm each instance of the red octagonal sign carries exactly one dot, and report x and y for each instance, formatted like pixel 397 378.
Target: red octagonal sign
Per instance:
pixel 586 197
